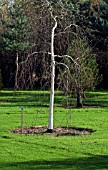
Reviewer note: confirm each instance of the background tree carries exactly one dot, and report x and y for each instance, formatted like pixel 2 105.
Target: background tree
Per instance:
pixel 1 84
pixel 15 34
pixel 93 19
pixel 84 74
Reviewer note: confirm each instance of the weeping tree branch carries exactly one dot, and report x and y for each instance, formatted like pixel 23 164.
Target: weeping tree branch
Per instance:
pixel 68 56
pixel 30 55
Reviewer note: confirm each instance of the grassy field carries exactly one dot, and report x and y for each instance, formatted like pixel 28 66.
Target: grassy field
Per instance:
pixel 35 152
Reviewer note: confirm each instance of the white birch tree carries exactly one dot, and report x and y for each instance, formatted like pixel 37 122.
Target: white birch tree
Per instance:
pixel 55 18
pixel 50 126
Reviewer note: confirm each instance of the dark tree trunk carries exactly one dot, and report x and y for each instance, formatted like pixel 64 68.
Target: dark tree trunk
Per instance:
pixel 16 74
pixel 79 100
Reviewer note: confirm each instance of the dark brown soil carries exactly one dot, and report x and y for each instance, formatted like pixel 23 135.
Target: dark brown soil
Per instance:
pixel 58 131
pixel 3 101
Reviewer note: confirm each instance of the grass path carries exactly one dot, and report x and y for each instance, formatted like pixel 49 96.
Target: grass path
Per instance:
pixel 32 152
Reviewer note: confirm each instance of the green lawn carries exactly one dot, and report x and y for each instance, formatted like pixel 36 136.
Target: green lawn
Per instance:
pixel 34 152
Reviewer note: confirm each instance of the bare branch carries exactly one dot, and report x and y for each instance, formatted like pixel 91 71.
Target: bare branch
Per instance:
pixel 32 55
pixel 64 56
pixel 69 26
pixel 63 65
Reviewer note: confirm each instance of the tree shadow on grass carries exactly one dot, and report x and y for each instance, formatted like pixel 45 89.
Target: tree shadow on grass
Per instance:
pixel 28 99
pixel 90 163
pixel 42 98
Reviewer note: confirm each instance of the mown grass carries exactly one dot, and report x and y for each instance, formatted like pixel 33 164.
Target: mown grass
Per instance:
pixel 34 152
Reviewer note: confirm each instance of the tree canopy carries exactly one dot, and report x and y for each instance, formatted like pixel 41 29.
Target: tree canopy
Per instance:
pixel 26 27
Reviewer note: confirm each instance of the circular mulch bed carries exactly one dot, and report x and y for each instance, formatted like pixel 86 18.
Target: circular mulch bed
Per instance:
pixel 57 131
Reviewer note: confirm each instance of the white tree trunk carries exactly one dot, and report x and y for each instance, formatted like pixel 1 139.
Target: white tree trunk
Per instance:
pixel 50 126
pixel 16 74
